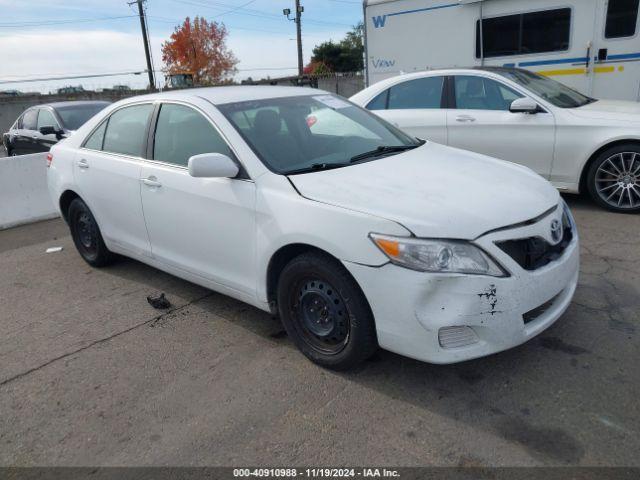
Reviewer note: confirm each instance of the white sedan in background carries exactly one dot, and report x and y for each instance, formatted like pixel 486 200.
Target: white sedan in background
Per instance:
pixel 576 142
pixel 301 203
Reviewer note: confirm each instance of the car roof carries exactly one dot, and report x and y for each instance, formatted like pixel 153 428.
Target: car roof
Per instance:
pixel 55 105
pixel 230 94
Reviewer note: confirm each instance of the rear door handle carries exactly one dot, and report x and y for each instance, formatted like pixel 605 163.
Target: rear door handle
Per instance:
pixel 83 164
pixel 151 182
pixel 465 118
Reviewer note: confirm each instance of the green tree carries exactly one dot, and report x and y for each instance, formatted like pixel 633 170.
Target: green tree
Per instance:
pixel 343 56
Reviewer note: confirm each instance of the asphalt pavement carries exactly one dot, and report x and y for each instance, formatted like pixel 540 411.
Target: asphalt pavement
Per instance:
pixel 91 374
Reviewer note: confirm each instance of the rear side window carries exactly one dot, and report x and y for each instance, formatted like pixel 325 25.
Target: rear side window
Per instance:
pixel 94 142
pixel 380 102
pixel 126 130
pixel 182 132
pixel 46 119
pixel 419 93
pixel 521 34
pixel 622 18
pixel 30 119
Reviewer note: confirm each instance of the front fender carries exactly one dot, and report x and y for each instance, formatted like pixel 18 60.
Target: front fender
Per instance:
pixel 284 217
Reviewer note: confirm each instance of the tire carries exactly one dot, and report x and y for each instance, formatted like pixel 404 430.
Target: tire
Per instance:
pixel 86 235
pixel 325 312
pixel 613 179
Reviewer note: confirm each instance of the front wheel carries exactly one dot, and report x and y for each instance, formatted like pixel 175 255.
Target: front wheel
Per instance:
pixel 86 235
pixel 325 313
pixel 614 179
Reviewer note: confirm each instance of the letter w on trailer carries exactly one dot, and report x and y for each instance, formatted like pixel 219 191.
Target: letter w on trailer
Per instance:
pixel 590 45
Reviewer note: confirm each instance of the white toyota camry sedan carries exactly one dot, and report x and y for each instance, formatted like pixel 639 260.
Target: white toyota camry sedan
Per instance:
pixel 576 142
pixel 303 204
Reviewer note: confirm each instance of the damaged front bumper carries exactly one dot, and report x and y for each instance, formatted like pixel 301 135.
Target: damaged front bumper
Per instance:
pixel 448 318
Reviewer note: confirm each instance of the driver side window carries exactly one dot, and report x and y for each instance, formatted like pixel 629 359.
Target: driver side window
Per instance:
pixel 182 132
pixel 478 93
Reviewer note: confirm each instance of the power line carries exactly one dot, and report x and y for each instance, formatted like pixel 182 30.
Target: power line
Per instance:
pixel 61 22
pixel 113 74
pixel 74 77
pixel 252 12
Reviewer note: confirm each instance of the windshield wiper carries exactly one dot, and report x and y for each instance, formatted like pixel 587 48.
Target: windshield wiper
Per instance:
pixel 316 167
pixel 381 150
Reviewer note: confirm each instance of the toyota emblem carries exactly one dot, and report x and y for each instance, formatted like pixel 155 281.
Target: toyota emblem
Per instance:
pixel 556 231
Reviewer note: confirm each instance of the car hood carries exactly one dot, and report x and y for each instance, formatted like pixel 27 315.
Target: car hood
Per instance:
pixel 435 191
pixel 609 110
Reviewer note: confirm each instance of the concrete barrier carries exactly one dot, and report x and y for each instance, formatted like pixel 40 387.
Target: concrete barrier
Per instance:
pixel 24 197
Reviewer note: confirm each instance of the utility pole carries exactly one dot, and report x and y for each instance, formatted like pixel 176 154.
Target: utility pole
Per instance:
pixel 297 19
pixel 145 39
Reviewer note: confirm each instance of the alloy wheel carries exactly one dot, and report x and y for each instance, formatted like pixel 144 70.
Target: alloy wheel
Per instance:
pixel 617 180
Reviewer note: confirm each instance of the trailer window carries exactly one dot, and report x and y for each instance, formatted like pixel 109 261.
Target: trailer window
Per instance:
pixel 420 93
pixel 521 34
pixel 622 17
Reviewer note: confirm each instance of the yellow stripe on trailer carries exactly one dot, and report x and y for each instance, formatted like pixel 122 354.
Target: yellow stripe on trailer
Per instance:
pixel 577 71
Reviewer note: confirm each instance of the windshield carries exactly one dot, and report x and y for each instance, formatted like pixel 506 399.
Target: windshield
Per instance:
pixel 555 92
pixel 306 133
pixel 74 116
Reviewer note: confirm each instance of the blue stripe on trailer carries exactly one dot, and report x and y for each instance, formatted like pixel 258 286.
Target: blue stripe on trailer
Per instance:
pixel 437 7
pixel 554 62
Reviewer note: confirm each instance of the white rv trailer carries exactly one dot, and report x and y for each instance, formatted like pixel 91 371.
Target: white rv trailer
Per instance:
pixel 590 45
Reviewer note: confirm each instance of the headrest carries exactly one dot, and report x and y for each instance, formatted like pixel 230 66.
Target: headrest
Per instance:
pixel 267 122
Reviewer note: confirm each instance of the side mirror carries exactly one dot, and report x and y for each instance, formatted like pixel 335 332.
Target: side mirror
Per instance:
pixel 49 130
pixel 212 165
pixel 523 105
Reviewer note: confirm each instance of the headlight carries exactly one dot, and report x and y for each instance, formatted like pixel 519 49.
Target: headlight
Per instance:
pixel 442 256
pixel 567 217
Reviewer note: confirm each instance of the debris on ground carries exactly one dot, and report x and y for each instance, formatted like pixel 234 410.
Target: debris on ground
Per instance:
pixel 159 303
pixel 54 249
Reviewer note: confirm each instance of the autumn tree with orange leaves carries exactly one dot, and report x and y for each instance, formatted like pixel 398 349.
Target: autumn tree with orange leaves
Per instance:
pixel 199 48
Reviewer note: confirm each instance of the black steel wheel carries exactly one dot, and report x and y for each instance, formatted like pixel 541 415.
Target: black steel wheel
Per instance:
pixel 324 311
pixel 614 179
pixel 86 235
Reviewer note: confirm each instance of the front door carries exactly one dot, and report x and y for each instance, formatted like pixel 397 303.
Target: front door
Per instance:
pixel 43 143
pixel 482 122
pixel 205 226
pixel 24 139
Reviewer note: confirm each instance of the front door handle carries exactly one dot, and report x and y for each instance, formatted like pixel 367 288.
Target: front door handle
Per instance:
pixel 83 164
pixel 465 118
pixel 151 182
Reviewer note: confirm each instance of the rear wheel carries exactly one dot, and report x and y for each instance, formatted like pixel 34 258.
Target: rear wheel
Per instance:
pixel 614 179
pixel 325 313
pixel 86 235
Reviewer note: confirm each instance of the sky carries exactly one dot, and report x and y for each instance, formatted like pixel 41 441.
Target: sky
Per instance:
pixel 41 38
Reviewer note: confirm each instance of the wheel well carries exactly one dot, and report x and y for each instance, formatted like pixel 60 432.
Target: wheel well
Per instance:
pixel 65 200
pixel 585 169
pixel 279 260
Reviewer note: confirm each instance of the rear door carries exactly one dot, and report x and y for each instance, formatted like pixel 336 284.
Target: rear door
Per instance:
pixel 205 226
pixel 415 106
pixel 107 172
pixel 482 123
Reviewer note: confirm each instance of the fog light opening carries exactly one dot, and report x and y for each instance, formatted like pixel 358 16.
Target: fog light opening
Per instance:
pixel 456 337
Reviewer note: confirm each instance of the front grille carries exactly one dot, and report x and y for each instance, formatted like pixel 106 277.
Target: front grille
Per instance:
pixel 535 252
